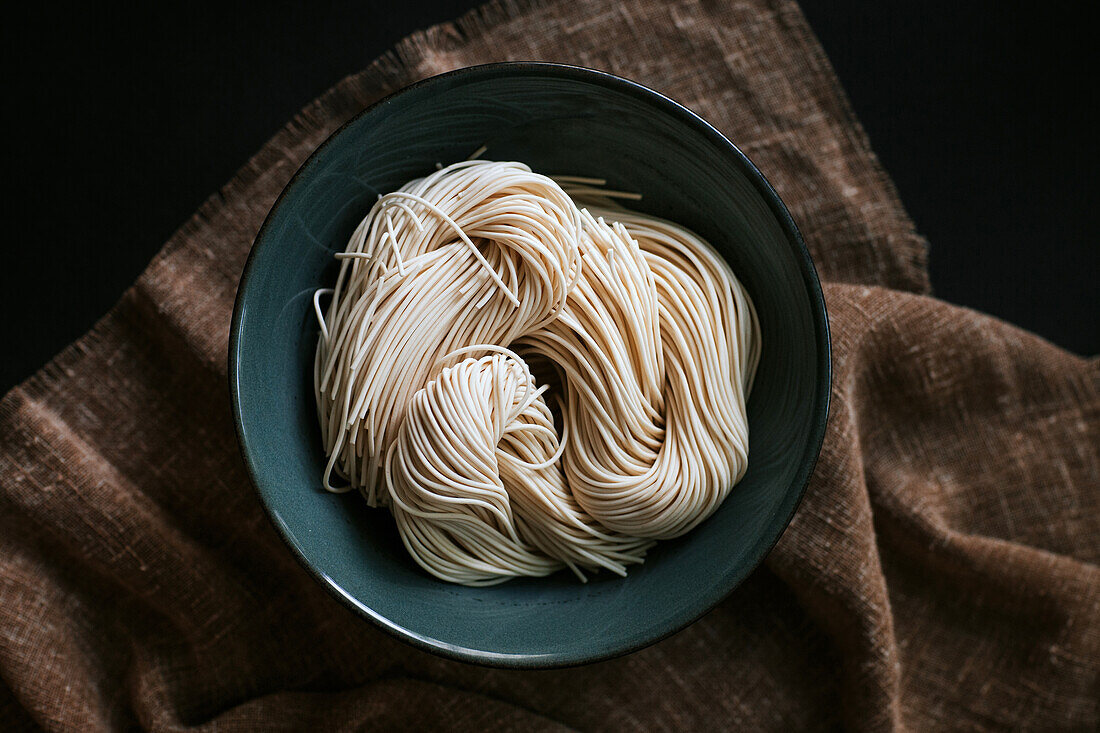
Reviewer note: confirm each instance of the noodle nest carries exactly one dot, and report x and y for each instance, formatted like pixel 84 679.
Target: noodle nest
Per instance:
pixel 530 376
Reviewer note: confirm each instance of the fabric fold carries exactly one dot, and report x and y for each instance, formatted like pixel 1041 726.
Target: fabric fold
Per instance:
pixel 941 572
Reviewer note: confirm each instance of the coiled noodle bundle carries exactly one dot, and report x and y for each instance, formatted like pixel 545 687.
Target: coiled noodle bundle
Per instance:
pixel 447 290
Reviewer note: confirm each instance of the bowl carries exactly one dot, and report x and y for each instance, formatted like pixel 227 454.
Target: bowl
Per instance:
pixel 559 120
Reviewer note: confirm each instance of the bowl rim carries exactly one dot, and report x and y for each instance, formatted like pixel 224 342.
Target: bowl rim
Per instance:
pixel 821 400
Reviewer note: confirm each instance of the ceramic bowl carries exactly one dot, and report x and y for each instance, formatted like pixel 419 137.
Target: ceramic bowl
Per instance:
pixel 558 120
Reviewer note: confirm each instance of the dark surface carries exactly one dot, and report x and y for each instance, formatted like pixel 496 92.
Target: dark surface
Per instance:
pixel 124 122
pixel 985 115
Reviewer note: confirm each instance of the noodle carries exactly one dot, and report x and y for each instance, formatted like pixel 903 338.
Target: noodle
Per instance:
pixel 449 288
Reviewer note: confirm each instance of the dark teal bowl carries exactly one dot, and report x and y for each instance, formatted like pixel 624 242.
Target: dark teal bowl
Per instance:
pixel 559 120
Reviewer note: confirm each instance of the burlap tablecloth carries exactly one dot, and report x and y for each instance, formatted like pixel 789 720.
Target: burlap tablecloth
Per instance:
pixel 941 572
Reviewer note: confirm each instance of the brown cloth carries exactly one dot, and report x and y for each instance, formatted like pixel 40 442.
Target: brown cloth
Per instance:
pixel 941 572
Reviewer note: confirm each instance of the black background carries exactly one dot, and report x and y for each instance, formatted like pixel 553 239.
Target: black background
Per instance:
pixel 125 120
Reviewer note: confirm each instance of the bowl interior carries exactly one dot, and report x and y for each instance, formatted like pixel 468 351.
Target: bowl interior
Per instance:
pixel 557 120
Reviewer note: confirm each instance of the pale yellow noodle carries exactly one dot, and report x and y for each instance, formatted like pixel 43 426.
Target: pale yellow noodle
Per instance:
pixel 425 408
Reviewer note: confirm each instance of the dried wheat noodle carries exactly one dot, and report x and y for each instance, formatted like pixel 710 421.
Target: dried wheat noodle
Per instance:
pixel 448 289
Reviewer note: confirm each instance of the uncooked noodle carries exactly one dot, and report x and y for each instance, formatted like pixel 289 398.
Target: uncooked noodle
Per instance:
pixel 450 290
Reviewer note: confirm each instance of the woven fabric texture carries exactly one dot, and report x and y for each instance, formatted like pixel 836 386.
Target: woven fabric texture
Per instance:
pixel 940 573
